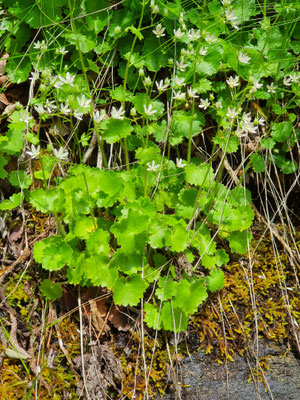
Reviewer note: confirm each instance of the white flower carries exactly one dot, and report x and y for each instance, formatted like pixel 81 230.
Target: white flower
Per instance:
pixel 50 106
pixel 155 9
pixel 245 125
pixel 159 31
pixel 117 29
pixel 34 76
pixel 68 80
pixel 243 58
pixel 39 109
pixel 64 109
pixel 193 35
pixel 61 50
pixel 178 33
pixel 204 104
pixel 232 113
pixel 141 72
pixel 98 117
pixel 260 121
pixel 83 101
pixel 272 88
pixel 218 104
pixel 148 110
pixel 179 95
pixel 202 51
pixel 229 14
pixel 179 163
pixel 226 3
pixel 61 154
pixel 180 65
pixel 192 93
pixel 161 86
pixel 210 38
pixel 287 81
pixel 25 118
pixel 40 45
pixel 177 82
pixel 152 167
pixel 147 81
pixel 34 152
pixel 232 82
pixel 294 77
pixel 133 112
pixel 117 114
pixel 256 85
pixel 78 115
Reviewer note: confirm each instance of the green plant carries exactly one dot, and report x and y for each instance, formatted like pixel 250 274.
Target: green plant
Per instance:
pixel 179 70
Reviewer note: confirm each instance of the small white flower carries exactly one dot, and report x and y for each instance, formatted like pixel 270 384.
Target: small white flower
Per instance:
pixel 218 104
pixel 133 112
pixel 148 110
pixel 25 118
pixel 229 14
pixel 260 121
pixel 180 163
pixel 117 29
pixel 192 93
pixel 272 88
pixel 40 45
pixel 117 114
pixel 204 104
pixel 68 80
pixel 243 58
pixel 50 106
pixel 179 95
pixel 34 76
pixel 155 9
pixel 180 65
pixel 39 109
pixel 152 167
pixel 256 85
pixel 178 33
pixel 193 35
pixel 177 82
pixel 34 152
pixel 161 86
pixel 147 81
pixel 159 31
pixel 83 101
pixel 287 81
pixel 98 117
pixel 203 51
pixel 141 72
pixel 64 109
pixel 210 38
pixel 232 113
pixel 294 77
pixel 226 3
pixel 232 82
pixel 78 115
pixel 62 51
pixel 61 154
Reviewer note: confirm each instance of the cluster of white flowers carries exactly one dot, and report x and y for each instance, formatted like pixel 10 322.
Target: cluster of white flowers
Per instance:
pixel 245 126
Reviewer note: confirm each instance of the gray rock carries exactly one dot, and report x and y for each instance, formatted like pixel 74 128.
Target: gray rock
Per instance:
pixel 203 379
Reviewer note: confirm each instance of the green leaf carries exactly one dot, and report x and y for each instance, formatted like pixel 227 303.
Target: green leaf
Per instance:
pixel 282 131
pixel 258 163
pixel 81 42
pixel 47 200
pixel 84 227
pixel 129 291
pixel 238 241
pixel 167 288
pixel 187 205
pixel 173 318
pixel 190 295
pixel 268 143
pixel 53 253
pixel 177 237
pixel 98 242
pixel 115 129
pixel 202 175
pixel 118 92
pixel 152 316
pixel 99 272
pixel 230 144
pixel 14 201
pixel 20 179
pixel 215 280
pixel 51 290
pixel 3 162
